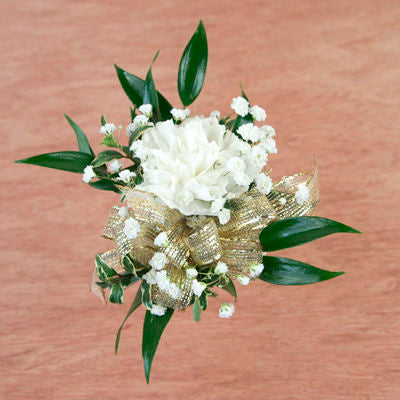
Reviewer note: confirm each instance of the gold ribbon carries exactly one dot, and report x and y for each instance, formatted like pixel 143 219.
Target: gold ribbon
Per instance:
pixel 204 242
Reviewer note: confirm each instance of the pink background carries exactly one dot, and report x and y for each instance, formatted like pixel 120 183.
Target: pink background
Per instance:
pixel 328 73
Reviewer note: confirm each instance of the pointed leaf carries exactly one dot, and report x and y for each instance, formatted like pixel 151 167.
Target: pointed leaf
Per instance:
pixel 196 309
pixel 153 328
pixel 134 89
pixel 230 288
pixel 150 92
pixel 285 271
pixel 193 65
pixel 72 161
pixel 116 293
pixel 295 231
pixel 137 301
pixel 103 269
pixel 106 156
pixel 104 184
pixel 103 120
pixel 83 142
pixel 146 295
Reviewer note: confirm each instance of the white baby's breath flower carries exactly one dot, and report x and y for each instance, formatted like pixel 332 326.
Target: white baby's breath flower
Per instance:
pixel 158 261
pixel 224 216
pixel 269 145
pixel 263 183
pixel 226 310
pixel 123 212
pixel 243 280
pixel 260 156
pixel 255 270
pixel 126 176
pixel 258 113
pixel 139 120
pixel 198 287
pixel 150 277
pixel 131 228
pixel 221 268
pixel 302 194
pixel 161 240
pixel 240 105
pixel 158 310
pixel 88 174
pixel 115 165
pixel 249 132
pixel 215 114
pixel 107 129
pixel 235 165
pixel 242 179
pixel 282 201
pixel 173 290
pixel 243 147
pixel 191 273
pixel 269 130
pixel 180 115
pixel 146 109
pixel 162 280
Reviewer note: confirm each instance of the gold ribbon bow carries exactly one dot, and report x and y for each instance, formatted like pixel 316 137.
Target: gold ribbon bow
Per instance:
pixel 203 241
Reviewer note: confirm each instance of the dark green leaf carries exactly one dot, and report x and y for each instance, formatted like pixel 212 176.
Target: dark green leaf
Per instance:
pixel 146 295
pixel 193 65
pixel 239 121
pixel 104 184
pixel 128 264
pixel 244 94
pixel 83 142
pixel 285 271
pixel 134 89
pixel 150 92
pixel 106 156
pixel 72 161
pixel 133 113
pixel 230 288
pixel 103 120
pixel 295 231
pixel 137 133
pixel 116 293
pixel 196 309
pixel 203 300
pixel 137 301
pixel 152 330
pixel 103 270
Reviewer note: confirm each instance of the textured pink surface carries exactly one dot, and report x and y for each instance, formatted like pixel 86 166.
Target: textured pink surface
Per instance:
pixel 328 74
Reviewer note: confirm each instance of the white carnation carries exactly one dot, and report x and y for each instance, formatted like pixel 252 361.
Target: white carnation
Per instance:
pixel 258 113
pixel 224 216
pixel 126 176
pixel 217 205
pixel 240 105
pixel 107 129
pixel 123 212
pixel 198 287
pixel 158 261
pixel 150 277
pixel 221 268
pixel 263 183
pixel 191 273
pixel 115 166
pixel 243 280
pixel 88 174
pixel 302 194
pixel 146 109
pixel 255 270
pixel 215 114
pixel 188 166
pixel 226 310
pixel 131 228
pixel 161 240
pixel 180 115
pixel 158 310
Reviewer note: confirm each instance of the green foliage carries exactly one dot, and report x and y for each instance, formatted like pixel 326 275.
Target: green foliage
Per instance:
pixel 104 184
pixel 196 309
pixel 153 328
pixel 110 141
pixel 285 271
pixel 150 93
pixel 71 161
pixel 104 271
pixel 116 293
pixel 193 65
pixel 83 142
pixel 103 120
pixel 146 295
pixel 230 288
pixel 296 231
pixel 106 156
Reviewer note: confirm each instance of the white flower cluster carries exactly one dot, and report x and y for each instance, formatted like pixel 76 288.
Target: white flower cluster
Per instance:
pixel 196 166
pixel 126 176
pixel 242 107
pixel 107 129
pixel 131 228
pixel 88 174
pixel 302 194
pixel 115 166
pixel 226 310
pixel 141 120
pixel 180 115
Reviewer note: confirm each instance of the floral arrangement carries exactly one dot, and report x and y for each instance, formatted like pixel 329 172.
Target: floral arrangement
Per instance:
pixel 199 210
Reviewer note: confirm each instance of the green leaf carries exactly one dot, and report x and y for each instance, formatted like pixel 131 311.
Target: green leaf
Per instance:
pixel 150 92
pixel 72 161
pixel 106 156
pixel 295 231
pixel 133 113
pixel 203 300
pixel 146 295
pixel 193 65
pixel 103 270
pixel 230 288
pixel 285 271
pixel 243 93
pixel 116 293
pixel 103 120
pixel 83 142
pixel 152 330
pixel 110 141
pixel 134 89
pixel 137 132
pixel 137 301
pixel 128 264
pixel 239 121
pixel 104 184
pixel 196 309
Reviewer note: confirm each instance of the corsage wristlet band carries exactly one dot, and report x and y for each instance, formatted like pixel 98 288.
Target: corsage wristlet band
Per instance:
pixel 198 209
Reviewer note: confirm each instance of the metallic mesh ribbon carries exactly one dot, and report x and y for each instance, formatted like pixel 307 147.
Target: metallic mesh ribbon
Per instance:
pixel 206 242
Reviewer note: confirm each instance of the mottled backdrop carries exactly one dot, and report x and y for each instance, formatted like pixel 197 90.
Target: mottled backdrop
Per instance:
pixel 328 73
